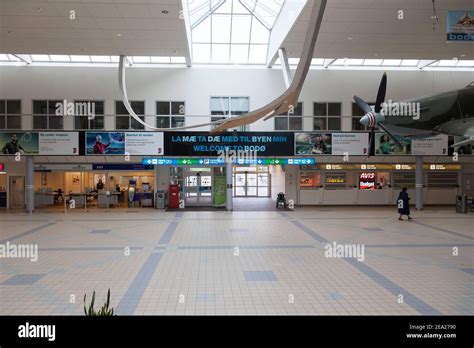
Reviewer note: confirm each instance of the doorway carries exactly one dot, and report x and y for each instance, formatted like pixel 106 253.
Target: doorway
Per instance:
pixel 17 192
pixel 198 183
pixel 252 181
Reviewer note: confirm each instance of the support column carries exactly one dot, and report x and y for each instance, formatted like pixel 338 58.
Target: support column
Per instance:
pixel 285 67
pixel 155 186
pixel 228 178
pixel 30 184
pixel 419 183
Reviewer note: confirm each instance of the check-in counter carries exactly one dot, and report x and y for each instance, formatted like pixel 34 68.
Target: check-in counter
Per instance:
pixel 440 195
pixel 378 197
pixel 396 192
pixel 79 199
pixel 311 197
pixel 339 197
pixel 44 198
pixel 106 200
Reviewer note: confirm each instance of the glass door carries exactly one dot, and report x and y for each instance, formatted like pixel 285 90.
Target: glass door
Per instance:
pixel 252 181
pixel 197 188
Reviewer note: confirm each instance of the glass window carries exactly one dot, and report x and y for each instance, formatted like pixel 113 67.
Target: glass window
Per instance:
pixel 224 107
pixel 168 112
pixel 292 120
pixel 89 114
pixel 44 115
pixel 10 114
pixel 123 120
pixel 327 116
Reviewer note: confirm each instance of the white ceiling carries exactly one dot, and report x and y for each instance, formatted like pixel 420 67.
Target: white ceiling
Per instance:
pixel 44 27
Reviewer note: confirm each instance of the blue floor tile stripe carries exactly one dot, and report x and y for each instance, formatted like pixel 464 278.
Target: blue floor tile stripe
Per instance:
pixel 135 291
pixel 408 298
pixel 33 230
pixel 442 230
pixel 166 237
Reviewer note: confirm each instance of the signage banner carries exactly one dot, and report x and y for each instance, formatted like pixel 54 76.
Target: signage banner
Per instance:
pixel 367 181
pixel 205 144
pixel 59 143
pixel 385 146
pixel 460 26
pixel 436 146
pixel 23 142
pixel 355 144
pixel 121 143
pixel 313 144
pixel 122 166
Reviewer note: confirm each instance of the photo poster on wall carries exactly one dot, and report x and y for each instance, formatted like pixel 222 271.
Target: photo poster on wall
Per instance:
pixel 25 143
pixel 121 143
pixel 460 26
pixel 355 144
pixel 313 144
pixel 385 146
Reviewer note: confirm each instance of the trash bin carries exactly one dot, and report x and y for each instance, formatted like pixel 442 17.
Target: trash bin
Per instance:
pixel 461 204
pixel 160 199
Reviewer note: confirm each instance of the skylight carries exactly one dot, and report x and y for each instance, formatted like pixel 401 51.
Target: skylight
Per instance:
pixel 232 31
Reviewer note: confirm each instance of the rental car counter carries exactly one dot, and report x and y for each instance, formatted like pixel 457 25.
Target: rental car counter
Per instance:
pixel 375 184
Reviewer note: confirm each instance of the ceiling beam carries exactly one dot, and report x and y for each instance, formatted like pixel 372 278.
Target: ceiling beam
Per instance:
pixel 328 62
pixel 423 63
pixel 285 66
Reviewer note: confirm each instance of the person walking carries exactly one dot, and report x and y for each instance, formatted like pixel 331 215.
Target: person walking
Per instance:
pixel 403 204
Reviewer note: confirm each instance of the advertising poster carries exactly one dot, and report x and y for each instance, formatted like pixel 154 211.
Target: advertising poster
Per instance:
pixel 435 146
pixel 59 143
pixel 313 143
pixel 105 143
pixel 385 146
pixel 350 143
pixel 219 189
pixel 144 143
pixel 460 26
pixel 205 144
pixel 22 142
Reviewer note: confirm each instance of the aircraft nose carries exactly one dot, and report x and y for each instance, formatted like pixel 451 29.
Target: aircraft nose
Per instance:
pixel 364 120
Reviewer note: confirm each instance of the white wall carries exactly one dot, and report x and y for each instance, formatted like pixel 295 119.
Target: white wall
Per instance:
pixel 196 85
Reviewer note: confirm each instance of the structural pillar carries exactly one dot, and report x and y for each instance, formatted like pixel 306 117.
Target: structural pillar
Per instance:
pixel 30 184
pixel 419 183
pixel 228 178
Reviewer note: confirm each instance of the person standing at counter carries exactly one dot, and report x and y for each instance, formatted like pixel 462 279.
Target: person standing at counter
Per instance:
pixel 404 204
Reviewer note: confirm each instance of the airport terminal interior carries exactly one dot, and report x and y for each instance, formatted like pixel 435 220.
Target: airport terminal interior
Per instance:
pixel 237 157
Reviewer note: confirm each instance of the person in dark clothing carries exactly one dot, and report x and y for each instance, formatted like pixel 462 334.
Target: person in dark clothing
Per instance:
pixel 12 147
pixel 100 185
pixel 404 204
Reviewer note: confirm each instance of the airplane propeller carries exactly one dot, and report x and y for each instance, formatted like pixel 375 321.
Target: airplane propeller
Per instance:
pixel 375 117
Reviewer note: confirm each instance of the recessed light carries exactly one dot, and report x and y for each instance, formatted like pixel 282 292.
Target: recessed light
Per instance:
pixel 39 9
pixel 175 51
pixel 165 11
pixel 376 54
pixel 349 38
pixel 119 34
pixel 463 55
pixel 10 32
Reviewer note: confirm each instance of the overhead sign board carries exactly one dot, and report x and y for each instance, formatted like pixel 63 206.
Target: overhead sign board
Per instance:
pixel 122 143
pixel 205 144
pixel 221 162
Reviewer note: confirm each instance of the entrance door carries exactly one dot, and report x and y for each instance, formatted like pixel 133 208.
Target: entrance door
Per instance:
pixel 251 182
pixel 198 188
pixel 17 192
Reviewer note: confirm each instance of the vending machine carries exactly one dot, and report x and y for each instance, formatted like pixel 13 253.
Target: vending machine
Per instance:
pixel 173 197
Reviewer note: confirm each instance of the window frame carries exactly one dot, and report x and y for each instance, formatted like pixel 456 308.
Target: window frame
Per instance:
pixel 130 118
pixel 289 117
pixel 47 115
pixel 88 120
pixel 327 118
pixel 171 116
pixel 6 114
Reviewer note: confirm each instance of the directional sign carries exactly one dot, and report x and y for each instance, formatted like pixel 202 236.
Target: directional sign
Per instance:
pixel 220 162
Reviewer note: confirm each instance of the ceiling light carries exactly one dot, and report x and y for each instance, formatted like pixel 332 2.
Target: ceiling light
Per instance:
pixel 119 35
pixel 349 38
pixel 39 9
pixel 10 32
pixel 165 11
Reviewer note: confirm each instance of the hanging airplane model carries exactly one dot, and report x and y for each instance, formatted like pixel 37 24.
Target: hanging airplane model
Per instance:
pixel 450 113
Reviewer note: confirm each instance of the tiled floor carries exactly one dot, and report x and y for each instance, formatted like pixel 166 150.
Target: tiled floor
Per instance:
pixel 271 262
